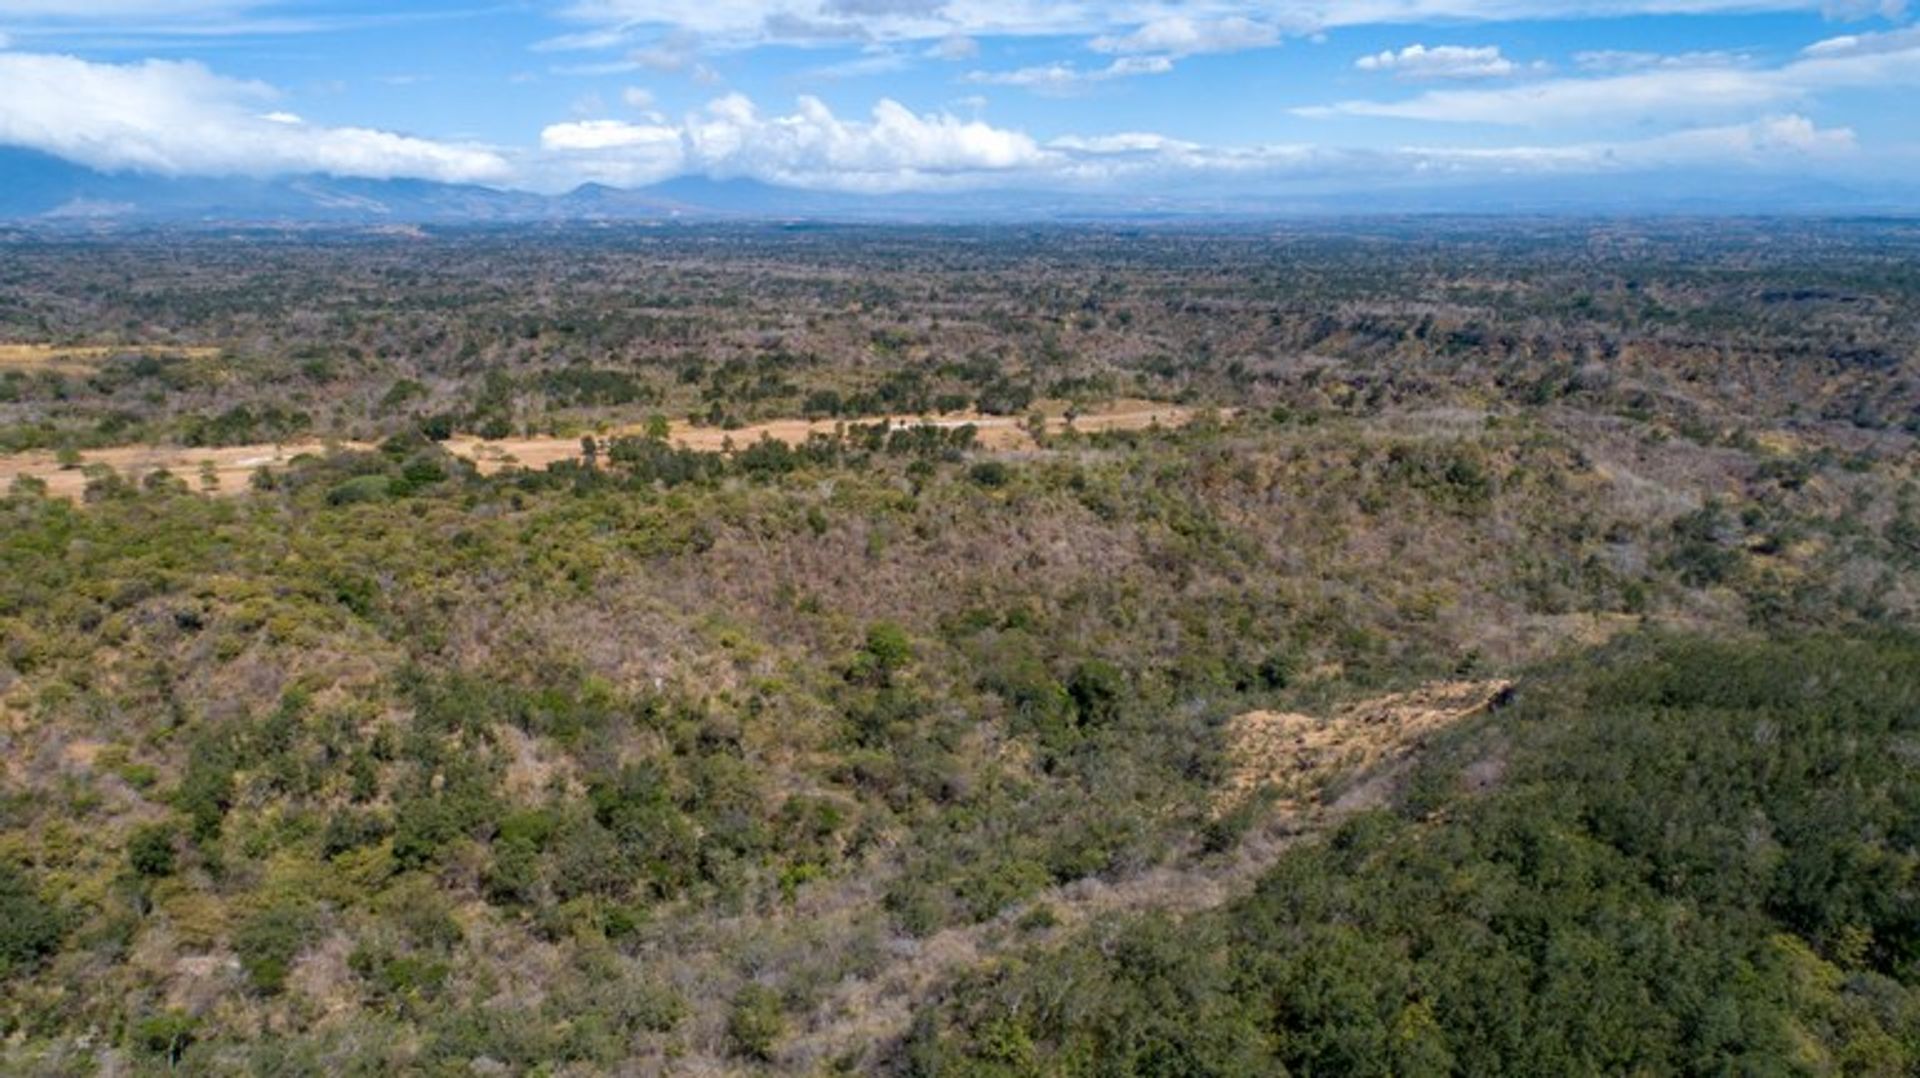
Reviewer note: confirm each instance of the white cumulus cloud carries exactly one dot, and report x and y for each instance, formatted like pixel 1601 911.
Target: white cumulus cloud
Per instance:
pixel 1137 26
pixel 1442 62
pixel 894 148
pixel 1183 35
pixel 1613 61
pixel 1771 141
pixel 954 47
pixel 1066 77
pixel 176 117
pixel 1672 95
pixel 1864 44
pixel 597 135
pixel 897 149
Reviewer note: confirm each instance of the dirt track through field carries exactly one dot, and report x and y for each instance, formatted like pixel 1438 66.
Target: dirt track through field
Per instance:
pixel 231 467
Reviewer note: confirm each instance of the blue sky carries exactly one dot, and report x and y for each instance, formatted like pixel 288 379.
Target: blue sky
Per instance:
pixel 884 95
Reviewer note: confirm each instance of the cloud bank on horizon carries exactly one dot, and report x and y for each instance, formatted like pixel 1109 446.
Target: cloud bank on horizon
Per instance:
pixel 896 95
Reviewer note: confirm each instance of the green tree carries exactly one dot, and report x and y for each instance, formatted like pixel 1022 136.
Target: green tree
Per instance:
pixel 1097 689
pixel 150 850
pixel 755 1022
pixel 267 943
pixel 30 928
pixel 166 1036
pixel 887 651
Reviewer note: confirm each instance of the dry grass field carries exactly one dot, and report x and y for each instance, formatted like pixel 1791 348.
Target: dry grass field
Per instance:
pixel 225 470
pixel 31 357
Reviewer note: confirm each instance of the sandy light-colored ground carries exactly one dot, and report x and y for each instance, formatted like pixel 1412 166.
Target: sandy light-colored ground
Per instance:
pixel 1295 754
pixel 53 356
pixel 232 466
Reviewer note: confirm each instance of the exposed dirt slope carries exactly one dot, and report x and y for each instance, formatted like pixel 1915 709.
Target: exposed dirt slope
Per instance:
pixel 1299 754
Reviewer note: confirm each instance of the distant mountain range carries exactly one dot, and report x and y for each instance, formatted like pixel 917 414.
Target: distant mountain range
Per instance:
pixel 36 187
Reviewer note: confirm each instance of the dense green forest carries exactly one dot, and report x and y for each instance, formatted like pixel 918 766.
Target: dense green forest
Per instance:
pixel 896 750
pixel 1675 856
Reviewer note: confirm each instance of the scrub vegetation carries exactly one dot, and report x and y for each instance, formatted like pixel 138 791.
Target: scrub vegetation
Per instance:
pixel 1505 666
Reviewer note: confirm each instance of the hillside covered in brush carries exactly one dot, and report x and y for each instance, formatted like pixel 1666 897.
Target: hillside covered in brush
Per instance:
pixel 1502 665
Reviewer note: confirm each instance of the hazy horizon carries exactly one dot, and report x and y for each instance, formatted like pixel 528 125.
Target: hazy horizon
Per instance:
pixel 1186 104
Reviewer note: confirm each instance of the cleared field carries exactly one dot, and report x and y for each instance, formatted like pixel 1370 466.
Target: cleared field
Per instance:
pixel 1002 433
pixel 53 356
pixel 232 466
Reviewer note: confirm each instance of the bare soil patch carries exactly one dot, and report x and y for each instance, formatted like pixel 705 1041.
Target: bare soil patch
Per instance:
pixel 233 466
pixel 54 356
pixel 1296 755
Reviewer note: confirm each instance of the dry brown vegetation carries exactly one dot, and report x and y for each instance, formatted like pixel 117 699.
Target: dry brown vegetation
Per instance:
pixel 1294 755
pixel 33 357
pixel 752 743
pixel 1297 757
